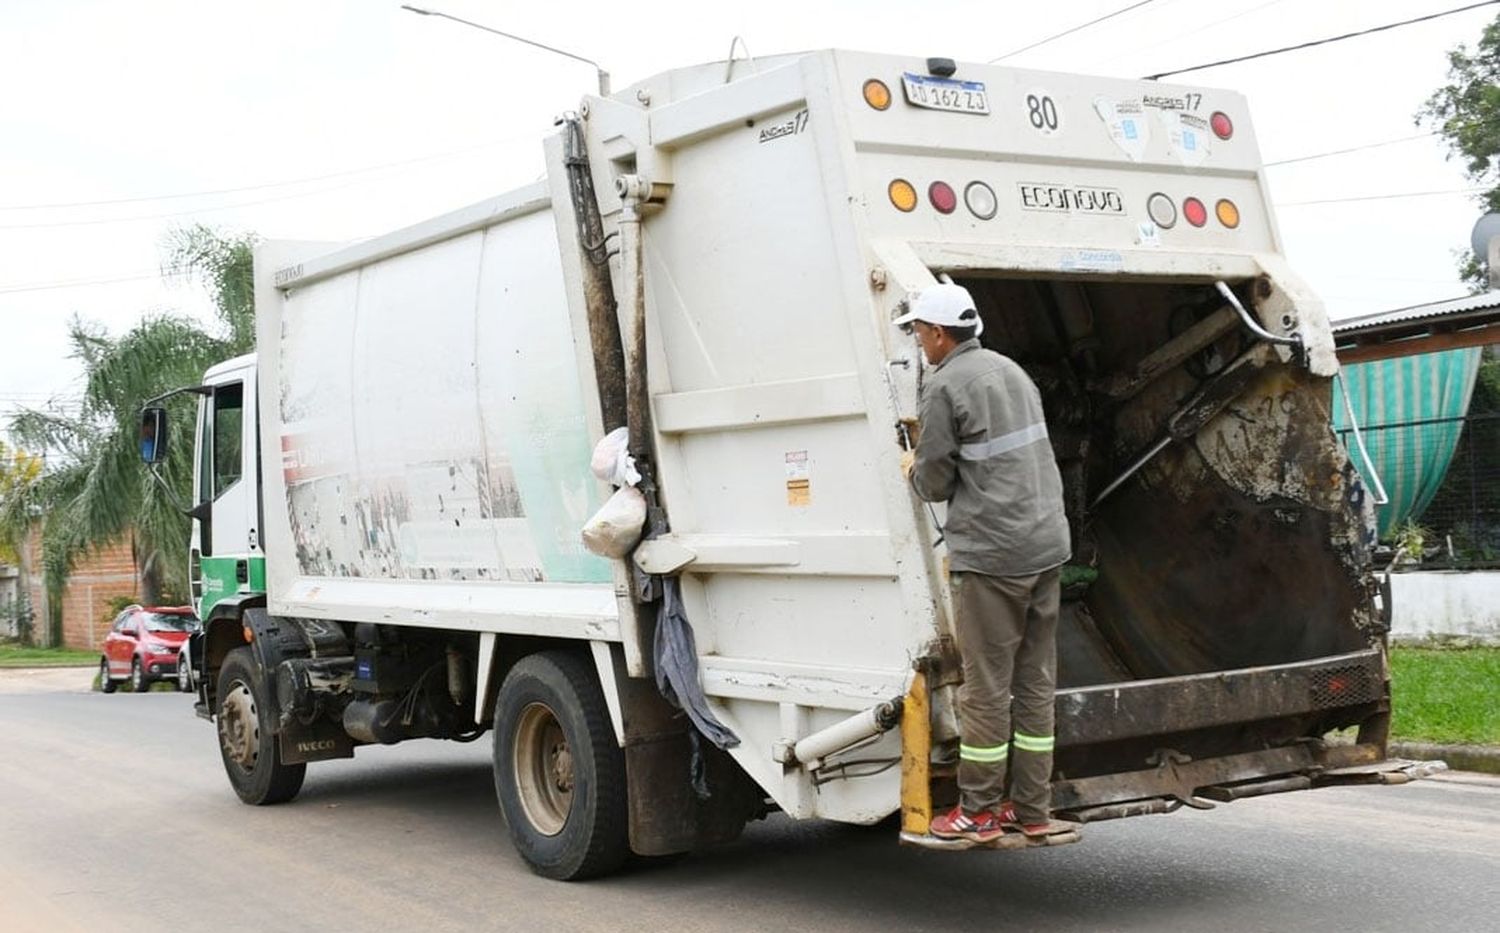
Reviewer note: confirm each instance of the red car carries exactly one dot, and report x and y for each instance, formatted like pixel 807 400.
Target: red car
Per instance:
pixel 143 644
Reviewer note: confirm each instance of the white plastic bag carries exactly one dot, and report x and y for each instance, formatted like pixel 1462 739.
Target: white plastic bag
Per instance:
pixel 616 527
pixel 612 461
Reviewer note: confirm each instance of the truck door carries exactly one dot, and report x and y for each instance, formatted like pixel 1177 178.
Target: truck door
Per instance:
pixel 225 551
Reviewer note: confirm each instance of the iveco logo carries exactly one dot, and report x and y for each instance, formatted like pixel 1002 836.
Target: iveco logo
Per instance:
pixel 319 746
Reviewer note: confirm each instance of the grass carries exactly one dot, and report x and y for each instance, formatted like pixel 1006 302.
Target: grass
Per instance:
pixel 13 655
pixel 1446 695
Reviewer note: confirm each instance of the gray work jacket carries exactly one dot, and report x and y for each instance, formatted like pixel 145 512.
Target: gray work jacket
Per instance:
pixel 983 448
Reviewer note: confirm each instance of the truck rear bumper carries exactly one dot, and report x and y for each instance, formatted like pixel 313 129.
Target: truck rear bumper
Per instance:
pixel 1169 705
pixel 1263 723
pixel 1175 782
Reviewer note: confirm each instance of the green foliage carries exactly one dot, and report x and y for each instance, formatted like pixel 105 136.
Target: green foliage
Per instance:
pixel 99 491
pixel 19 471
pixel 1486 397
pixel 1446 695
pixel 222 264
pixel 1466 113
pixel 16 655
pixel 117 605
pixel 1411 540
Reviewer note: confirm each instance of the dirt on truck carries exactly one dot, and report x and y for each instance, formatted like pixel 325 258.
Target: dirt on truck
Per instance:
pixel 390 492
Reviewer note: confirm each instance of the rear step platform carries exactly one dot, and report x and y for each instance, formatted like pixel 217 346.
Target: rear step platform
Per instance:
pixel 1066 834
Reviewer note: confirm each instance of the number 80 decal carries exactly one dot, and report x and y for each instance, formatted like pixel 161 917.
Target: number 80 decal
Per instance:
pixel 1041 112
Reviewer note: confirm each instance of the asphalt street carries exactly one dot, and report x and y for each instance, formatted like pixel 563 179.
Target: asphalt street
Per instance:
pixel 115 815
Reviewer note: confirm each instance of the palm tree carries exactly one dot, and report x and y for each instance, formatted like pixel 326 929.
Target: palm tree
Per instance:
pixel 99 491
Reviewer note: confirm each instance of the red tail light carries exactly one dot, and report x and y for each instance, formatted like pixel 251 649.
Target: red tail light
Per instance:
pixel 1194 211
pixel 940 193
pixel 1222 126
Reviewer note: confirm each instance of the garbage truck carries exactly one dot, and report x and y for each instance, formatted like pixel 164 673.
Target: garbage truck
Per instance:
pixel 389 493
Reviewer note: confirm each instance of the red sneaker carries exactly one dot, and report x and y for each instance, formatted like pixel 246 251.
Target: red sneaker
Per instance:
pixel 956 824
pixel 1006 813
pixel 1044 829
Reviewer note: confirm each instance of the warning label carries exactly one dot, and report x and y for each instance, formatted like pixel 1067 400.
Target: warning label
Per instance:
pixel 798 479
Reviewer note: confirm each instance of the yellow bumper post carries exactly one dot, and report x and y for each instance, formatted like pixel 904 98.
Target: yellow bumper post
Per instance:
pixel 916 758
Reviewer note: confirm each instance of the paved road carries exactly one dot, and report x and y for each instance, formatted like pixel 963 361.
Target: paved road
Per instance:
pixel 115 816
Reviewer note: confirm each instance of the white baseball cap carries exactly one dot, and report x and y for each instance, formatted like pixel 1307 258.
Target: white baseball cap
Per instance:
pixel 943 304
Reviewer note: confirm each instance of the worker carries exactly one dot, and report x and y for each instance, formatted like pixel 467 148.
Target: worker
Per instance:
pixel 982 447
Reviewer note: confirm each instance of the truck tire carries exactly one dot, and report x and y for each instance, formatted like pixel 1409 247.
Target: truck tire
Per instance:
pixel 559 774
pixel 252 756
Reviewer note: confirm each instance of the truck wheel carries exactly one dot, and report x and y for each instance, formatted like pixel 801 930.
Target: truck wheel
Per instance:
pixel 105 684
pixel 559 773
pixel 252 756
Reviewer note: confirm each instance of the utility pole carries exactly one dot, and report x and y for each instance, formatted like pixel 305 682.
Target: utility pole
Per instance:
pixel 603 75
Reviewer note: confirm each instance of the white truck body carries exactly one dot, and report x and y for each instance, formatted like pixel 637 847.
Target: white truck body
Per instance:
pixel 429 399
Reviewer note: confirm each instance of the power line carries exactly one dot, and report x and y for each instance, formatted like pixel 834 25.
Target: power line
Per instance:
pixel 1382 197
pixel 1336 152
pixel 1069 32
pixel 197 210
pixel 83 283
pixel 1316 42
pixel 1137 50
pixel 270 184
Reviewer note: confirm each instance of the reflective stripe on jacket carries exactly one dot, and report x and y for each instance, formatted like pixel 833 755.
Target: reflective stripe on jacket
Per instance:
pixel 983 448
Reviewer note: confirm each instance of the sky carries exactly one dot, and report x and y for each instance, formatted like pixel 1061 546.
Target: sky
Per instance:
pixel 343 119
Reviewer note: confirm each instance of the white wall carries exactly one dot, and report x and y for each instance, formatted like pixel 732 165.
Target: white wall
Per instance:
pixel 1446 603
pixel 8 590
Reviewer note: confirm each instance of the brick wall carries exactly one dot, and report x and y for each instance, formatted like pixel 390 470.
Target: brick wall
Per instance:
pixel 99 577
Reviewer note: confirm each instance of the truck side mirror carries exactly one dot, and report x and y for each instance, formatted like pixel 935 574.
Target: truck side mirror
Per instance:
pixel 153 435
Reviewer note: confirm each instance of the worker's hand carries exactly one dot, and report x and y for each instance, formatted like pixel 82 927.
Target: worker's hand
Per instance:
pixel 907 432
pixel 908 462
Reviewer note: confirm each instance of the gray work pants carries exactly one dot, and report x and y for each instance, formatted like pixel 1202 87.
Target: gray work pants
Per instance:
pixel 1007 636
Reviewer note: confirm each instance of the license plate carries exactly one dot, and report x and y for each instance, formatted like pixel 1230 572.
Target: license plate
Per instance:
pixel 945 94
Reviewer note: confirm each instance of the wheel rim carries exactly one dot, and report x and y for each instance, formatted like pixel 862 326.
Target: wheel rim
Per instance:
pixel 239 727
pixel 183 683
pixel 103 673
pixel 544 769
pixel 137 679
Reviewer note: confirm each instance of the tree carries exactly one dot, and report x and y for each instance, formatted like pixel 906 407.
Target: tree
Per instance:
pixel 19 472
pixel 100 491
pixel 1466 113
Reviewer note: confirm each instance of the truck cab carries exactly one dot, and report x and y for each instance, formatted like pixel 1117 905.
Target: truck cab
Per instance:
pixel 225 558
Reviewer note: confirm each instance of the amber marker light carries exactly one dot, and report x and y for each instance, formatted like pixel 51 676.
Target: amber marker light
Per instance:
pixel 877 95
pixel 1228 214
pixel 903 195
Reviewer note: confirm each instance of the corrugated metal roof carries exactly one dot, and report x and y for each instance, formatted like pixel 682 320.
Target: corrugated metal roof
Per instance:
pixel 1453 307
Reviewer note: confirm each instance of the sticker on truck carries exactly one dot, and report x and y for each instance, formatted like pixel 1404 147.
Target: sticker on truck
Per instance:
pixel 798 479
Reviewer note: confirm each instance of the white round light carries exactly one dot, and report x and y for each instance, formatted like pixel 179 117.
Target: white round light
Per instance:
pixel 1163 212
pixel 980 199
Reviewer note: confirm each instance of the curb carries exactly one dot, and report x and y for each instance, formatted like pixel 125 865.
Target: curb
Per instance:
pixel 1484 758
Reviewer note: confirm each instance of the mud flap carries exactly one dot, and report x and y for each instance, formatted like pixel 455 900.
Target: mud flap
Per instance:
pixel 321 740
